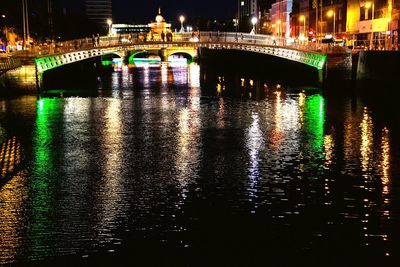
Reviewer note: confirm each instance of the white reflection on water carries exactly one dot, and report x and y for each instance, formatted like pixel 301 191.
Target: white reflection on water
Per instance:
pixel 164 75
pixel 109 197
pixel 254 142
pixel 77 159
pixel 188 142
pixel 180 75
pixel 194 75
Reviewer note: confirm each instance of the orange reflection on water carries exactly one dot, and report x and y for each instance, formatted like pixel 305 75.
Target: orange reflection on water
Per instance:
pixel 277 133
pixel 385 146
pixel 302 103
pixel 328 148
pixel 12 196
pixel 366 140
pixel 10 157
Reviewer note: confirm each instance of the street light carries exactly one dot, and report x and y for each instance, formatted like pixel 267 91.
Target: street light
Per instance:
pixel 303 19
pixel 279 27
pixel 254 22
pixel 332 13
pixel 182 19
pixel 109 22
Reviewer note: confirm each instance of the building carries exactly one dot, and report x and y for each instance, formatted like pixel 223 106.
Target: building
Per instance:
pixel 280 17
pixel 159 25
pixel 99 11
pixel 247 10
pixel 330 20
pixel 117 29
pixel 373 24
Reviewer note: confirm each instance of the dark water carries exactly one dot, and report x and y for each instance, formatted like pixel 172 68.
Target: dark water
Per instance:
pixel 171 166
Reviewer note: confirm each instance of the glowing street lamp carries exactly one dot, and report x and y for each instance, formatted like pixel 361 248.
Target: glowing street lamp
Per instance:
pixel 254 22
pixel 303 19
pixel 279 27
pixel 109 22
pixel 182 19
pixel 332 13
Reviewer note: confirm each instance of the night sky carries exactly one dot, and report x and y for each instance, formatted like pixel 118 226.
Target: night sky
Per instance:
pixel 145 10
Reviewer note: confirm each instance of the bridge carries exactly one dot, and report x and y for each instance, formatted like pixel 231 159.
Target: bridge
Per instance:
pixel 126 45
pixel 8 63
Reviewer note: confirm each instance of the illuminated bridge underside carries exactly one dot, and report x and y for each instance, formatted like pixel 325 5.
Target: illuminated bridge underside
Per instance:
pixel 312 59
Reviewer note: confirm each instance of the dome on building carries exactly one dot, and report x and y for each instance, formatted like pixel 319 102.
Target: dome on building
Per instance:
pixel 159 18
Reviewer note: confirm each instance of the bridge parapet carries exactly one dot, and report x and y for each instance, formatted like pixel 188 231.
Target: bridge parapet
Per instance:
pixel 8 63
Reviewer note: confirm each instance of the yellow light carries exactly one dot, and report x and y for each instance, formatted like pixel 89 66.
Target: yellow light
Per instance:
pixel 109 22
pixel 302 18
pixel 330 13
pixel 368 5
pixel 181 19
pixel 278 22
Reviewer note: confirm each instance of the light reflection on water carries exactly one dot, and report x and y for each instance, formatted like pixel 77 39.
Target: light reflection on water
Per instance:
pixel 168 160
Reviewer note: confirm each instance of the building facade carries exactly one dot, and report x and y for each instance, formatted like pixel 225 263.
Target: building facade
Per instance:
pixel 247 9
pixel 373 24
pixel 99 11
pixel 280 14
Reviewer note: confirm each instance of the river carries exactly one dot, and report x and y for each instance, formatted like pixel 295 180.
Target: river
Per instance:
pixel 170 166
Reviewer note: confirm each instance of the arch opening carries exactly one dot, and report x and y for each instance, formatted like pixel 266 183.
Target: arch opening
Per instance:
pixel 180 58
pixel 143 57
pixel 111 60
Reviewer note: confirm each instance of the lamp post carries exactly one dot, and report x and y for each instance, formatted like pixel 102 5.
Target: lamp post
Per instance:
pixel 25 23
pixel 3 25
pixel 332 13
pixel 254 22
pixel 279 27
pixel 367 6
pixel 109 22
pixel 302 18
pixel 182 19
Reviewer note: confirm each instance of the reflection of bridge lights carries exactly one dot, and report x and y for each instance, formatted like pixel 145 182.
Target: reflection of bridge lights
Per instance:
pixel 366 140
pixel 385 146
pixel 10 157
pixel 194 75
pixel 328 148
pixel 255 142
pixel 164 75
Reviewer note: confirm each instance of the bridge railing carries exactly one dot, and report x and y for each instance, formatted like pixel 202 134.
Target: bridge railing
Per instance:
pixel 215 37
pixel 8 63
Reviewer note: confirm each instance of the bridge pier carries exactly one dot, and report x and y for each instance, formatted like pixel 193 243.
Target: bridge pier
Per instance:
pixel 163 53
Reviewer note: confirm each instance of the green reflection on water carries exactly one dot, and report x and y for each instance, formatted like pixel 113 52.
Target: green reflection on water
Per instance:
pixel 314 118
pixel 44 175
